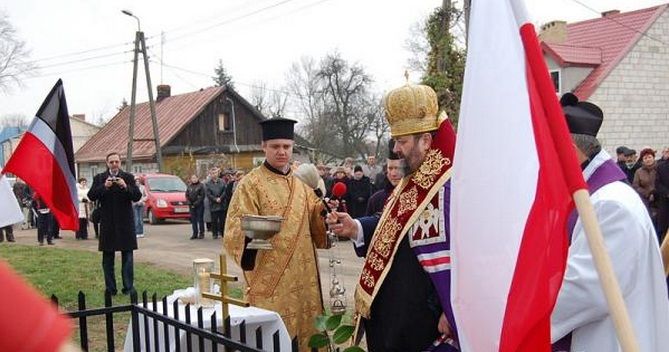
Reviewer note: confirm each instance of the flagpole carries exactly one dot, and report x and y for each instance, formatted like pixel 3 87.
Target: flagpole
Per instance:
pixel 574 178
pixel 604 267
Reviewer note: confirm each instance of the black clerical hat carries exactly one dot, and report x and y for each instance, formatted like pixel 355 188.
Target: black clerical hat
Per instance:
pixel 277 128
pixel 582 117
pixel 392 155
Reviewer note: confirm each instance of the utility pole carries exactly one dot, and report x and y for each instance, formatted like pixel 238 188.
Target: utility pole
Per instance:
pixel 140 46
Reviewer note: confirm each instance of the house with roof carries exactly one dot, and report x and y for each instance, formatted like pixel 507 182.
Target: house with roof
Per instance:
pixel 619 61
pixel 213 126
pixel 8 140
pixel 81 131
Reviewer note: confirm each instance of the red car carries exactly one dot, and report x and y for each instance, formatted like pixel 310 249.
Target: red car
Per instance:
pixel 166 198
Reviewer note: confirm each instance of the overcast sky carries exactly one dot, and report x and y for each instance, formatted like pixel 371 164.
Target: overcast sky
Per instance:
pixel 88 43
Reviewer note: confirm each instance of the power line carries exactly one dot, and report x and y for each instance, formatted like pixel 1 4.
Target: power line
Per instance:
pixel 620 23
pixel 80 52
pixel 228 21
pixel 78 69
pixel 87 59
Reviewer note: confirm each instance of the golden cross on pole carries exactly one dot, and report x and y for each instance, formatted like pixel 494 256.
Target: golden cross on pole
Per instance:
pixel 224 298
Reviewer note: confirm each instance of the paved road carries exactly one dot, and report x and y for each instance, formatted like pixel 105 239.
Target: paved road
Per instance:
pixel 168 246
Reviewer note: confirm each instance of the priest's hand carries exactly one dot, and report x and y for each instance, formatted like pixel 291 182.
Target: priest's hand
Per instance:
pixel 342 224
pixel 444 327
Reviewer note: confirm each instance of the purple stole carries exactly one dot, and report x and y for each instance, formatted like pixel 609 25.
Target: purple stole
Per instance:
pixel 606 173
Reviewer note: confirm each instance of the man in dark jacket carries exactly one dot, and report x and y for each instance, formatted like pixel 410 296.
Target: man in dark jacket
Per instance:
pixel 359 191
pixel 662 194
pixel 195 198
pixel 215 191
pixel 115 190
pixel 393 175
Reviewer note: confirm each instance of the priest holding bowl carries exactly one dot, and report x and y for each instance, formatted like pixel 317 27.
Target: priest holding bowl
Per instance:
pixel 271 204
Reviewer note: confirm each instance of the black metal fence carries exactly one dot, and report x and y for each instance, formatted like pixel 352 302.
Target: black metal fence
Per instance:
pixel 197 337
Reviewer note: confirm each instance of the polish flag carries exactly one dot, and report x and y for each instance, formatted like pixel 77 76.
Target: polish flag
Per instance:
pixel 44 159
pixel 514 172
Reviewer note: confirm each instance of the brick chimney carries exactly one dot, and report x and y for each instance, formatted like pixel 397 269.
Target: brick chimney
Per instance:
pixel 610 12
pixel 164 91
pixel 554 32
pixel 80 117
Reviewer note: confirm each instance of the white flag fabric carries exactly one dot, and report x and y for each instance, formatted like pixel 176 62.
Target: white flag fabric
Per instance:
pixel 513 173
pixel 10 212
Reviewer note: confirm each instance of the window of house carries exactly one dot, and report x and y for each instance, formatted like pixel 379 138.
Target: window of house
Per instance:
pixel 555 77
pixel 224 122
pixel 94 171
pixel 137 169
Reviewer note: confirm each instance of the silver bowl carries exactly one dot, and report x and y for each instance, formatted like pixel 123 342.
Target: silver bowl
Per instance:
pixel 260 228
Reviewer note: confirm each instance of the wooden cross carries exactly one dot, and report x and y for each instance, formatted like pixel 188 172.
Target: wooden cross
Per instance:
pixel 224 298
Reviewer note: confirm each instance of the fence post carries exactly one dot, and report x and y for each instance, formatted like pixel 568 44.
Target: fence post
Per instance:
pixel 189 339
pixel 275 339
pixel 177 337
pixel 154 308
pixel 54 300
pixel 135 321
pixel 259 338
pixel 200 325
pixel 166 327
pixel 242 332
pixel 145 323
pixel 109 322
pixel 214 328
pixel 83 327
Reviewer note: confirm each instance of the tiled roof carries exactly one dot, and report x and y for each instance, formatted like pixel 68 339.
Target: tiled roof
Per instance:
pixel 614 36
pixel 569 55
pixel 173 114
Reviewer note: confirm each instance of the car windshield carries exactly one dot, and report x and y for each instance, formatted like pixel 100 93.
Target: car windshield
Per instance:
pixel 166 184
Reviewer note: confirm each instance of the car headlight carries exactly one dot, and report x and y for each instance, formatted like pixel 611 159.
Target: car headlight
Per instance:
pixel 161 203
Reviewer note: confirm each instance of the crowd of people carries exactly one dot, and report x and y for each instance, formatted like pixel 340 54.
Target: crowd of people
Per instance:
pixel 648 173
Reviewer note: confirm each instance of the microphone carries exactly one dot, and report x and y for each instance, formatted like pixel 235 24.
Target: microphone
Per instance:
pixel 308 173
pixel 338 191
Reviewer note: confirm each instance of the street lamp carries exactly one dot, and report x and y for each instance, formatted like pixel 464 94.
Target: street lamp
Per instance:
pixel 140 46
pixel 128 13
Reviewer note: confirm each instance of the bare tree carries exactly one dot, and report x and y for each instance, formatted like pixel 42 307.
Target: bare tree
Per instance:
pixel 304 84
pixel 418 46
pixel 348 101
pixel 14 63
pixel 270 102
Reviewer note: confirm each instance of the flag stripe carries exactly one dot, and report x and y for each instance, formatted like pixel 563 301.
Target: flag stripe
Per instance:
pixel 540 266
pixel 524 203
pixel 34 163
pixel 43 132
pixel 54 113
pixel 556 123
pixel 492 196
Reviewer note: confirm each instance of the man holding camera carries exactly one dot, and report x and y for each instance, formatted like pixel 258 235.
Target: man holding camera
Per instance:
pixel 115 190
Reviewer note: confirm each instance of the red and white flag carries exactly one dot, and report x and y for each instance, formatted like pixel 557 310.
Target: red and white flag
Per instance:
pixel 44 159
pixel 514 172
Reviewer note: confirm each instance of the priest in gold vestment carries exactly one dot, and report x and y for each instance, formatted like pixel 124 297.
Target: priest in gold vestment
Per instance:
pixel 283 279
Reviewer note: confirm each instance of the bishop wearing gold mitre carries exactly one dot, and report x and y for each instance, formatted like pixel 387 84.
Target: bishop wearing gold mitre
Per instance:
pixel 403 294
pixel 283 279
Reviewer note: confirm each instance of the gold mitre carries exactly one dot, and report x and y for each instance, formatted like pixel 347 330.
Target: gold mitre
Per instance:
pixel 411 109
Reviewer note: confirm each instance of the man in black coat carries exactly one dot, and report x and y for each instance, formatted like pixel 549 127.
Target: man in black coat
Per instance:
pixel 115 190
pixel 662 197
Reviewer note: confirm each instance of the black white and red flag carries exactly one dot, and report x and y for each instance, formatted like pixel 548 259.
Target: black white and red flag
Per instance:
pixel 44 159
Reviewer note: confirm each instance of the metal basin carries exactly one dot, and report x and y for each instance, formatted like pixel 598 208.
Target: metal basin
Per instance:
pixel 260 228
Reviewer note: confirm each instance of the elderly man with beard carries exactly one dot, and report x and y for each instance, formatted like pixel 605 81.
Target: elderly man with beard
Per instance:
pixel 403 295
